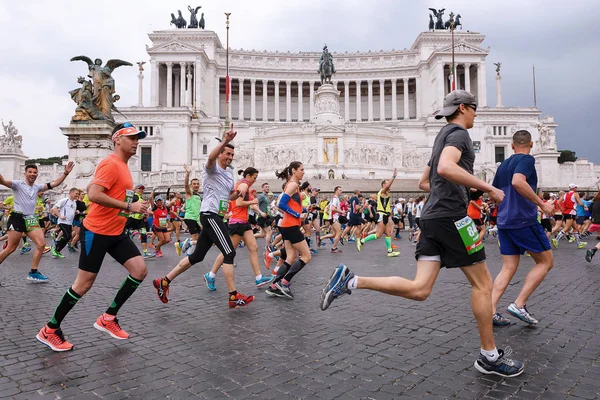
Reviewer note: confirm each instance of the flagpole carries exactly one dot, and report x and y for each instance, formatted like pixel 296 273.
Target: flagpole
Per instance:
pixel 453 87
pixel 534 94
pixel 227 82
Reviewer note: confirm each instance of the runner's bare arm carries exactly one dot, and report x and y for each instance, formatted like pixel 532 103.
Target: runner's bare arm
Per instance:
pixel 188 189
pixel 387 187
pixel 424 181
pixel 61 179
pixel 5 182
pixel 212 157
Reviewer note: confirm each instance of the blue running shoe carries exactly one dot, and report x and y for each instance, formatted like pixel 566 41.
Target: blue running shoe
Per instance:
pixel 264 280
pixel 210 282
pixel 503 366
pixel 25 250
pixel 187 243
pixel 37 277
pixel 336 286
pixel 313 251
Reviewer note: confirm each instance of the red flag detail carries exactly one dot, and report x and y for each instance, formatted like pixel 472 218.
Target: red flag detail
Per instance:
pixel 227 88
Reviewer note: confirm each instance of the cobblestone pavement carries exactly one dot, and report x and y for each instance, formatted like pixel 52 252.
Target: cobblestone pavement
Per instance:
pixel 366 346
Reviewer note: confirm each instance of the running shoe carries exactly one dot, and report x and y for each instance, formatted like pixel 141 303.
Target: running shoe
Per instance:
pixel 554 243
pixel 56 254
pixel 148 255
pixel 571 239
pixel 336 286
pixel 268 260
pixel 589 254
pixel 285 289
pixel 25 249
pixel 359 244
pixel 239 300
pixel 335 251
pixel 331 240
pixel 178 248
pixel 37 276
pixel 499 320
pixel 274 292
pixel 322 244
pixel 158 253
pixel 210 282
pixel 351 240
pixel 393 253
pixel 503 366
pixel 162 289
pixel 187 243
pixel 581 245
pixel 313 251
pixel 46 249
pixel 394 246
pixel 264 280
pixel 71 248
pixel 521 313
pixel 54 339
pixel 135 233
pixel 110 324
pixel 151 245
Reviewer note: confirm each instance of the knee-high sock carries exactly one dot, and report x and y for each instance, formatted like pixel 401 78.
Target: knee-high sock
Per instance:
pixel 281 272
pixel 369 238
pixel 294 269
pixel 68 301
pixel 125 291
pixel 388 243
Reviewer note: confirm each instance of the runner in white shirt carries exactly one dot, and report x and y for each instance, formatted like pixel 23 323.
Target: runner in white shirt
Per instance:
pixel 64 210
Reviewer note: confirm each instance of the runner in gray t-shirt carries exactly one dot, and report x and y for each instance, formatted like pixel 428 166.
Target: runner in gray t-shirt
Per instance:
pixel 218 191
pixel 23 219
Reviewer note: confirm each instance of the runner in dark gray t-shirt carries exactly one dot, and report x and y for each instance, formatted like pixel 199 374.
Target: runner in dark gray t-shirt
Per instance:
pixel 448 236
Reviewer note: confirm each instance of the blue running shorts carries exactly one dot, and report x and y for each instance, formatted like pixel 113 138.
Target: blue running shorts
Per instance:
pixel 516 241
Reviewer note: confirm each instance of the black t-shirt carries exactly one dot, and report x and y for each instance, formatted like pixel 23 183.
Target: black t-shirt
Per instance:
pixel 81 207
pixel 447 199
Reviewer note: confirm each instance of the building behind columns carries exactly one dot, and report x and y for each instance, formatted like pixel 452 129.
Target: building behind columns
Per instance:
pixel 386 102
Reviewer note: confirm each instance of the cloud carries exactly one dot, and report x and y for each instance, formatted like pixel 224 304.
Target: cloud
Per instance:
pixel 41 37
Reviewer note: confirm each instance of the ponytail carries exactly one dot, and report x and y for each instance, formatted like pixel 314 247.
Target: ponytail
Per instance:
pixel 287 171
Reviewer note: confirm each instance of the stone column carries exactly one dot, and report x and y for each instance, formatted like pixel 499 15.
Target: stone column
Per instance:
pixel 347 100
pixel 169 84
pixel 241 99
pixel 140 89
pixel 370 100
pixel 394 101
pixel 382 99
pixel 183 67
pixel 198 85
pixel 498 90
pixel 441 85
pixel 194 145
pixel 264 99
pixel 467 77
pixel 154 66
pixel 311 100
pixel 406 115
pixel 358 100
pixel 276 118
pixel 288 101
pixel 252 99
pixel 417 98
pixel 189 76
pixel 176 89
pixel 481 91
pixel 300 105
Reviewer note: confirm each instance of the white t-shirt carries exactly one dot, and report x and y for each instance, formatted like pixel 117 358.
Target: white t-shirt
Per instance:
pixel 26 196
pixel 335 202
pixel 66 209
pixel 419 209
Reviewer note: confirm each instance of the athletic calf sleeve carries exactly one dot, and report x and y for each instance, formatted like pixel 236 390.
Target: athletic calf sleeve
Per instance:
pixel 68 301
pixel 127 288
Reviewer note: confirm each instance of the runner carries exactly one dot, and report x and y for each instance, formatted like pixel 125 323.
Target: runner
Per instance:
pixel 218 191
pixel 290 203
pixel 64 210
pixel 136 222
pixel 595 227
pixel 449 237
pixel 334 218
pixel 191 218
pixel 570 200
pixel 159 224
pixel 264 223
pixel 80 213
pixel 239 228
pixel 518 228
pixel 110 192
pixel 22 218
pixel 174 207
pixel 307 208
pixel 384 221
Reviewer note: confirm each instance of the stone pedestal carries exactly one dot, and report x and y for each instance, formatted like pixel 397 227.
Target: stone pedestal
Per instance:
pixel 327 106
pixel 89 142
pixel 547 169
pixel 12 164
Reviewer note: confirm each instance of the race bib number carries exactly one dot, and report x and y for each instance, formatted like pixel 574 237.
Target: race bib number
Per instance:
pixel 128 198
pixel 469 235
pixel 31 222
pixel 162 222
pixel 223 207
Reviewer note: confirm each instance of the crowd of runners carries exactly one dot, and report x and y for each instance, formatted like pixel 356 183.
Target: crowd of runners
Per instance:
pixel 448 224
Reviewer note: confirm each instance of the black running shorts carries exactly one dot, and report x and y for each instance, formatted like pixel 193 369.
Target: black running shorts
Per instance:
pixel 239 229
pixel 193 226
pixel 439 237
pixel 95 246
pixel 292 234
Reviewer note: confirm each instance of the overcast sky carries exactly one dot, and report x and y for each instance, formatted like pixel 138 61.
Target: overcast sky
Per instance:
pixel 39 38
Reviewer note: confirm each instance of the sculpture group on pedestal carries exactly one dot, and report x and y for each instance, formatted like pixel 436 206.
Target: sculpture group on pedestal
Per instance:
pixel 326 67
pixel 181 23
pixel 95 99
pixel 451 23
pixel 11 138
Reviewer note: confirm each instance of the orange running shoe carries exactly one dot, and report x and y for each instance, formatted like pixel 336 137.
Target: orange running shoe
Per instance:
pixel 162 289
pixel 158 253
pixel 54 339
pixel 110 324
pixel 239 300
pixel 46 249
pixel 268 260
pixel 394 246
pixel 151 245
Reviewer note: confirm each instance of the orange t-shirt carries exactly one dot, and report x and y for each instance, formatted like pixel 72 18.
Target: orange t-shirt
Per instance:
pixel 113 175
pixel 474 212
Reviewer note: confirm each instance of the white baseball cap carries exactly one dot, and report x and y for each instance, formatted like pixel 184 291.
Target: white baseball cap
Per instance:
pixel 572 186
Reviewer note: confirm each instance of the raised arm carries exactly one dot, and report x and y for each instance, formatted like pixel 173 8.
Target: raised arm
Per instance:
pixel 212 157
pixel 188 189
pixel 386 187
pixel 61 179
pixel 5 182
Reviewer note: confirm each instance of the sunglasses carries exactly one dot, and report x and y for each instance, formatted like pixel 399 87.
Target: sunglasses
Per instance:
pixel 127 125
pixel 473 106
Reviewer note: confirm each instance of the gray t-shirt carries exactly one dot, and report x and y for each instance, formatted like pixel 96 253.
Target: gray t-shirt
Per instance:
pixel 217 184
pixel 447 199
pixel 263 203
pixel 26 196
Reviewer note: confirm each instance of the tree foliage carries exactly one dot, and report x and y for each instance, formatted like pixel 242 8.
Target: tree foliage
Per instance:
pixel 566 156
pixel 47 161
